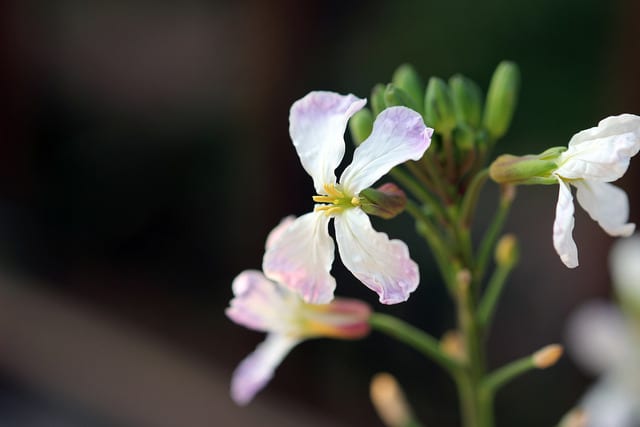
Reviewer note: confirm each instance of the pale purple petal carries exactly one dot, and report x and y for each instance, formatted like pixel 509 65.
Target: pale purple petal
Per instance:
pixel 381 264
pixel 597 337
pixel 317 124
pixel 275 234
pixel 602 153
pixel 607 404
pixel 301 258
pixel 257 369
pixel 259 303
pixel 563 227
pixel 398 135
pixel 606 204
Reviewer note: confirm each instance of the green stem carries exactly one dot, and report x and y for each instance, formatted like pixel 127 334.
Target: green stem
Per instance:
pixel 508 372
pixel 413 337
pixel 471 196
pixel 492 294
pixel 419 192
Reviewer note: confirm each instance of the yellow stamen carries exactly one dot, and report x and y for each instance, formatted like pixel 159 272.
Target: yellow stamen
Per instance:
pixel 324 199
pixel 333 191
pixel 355 201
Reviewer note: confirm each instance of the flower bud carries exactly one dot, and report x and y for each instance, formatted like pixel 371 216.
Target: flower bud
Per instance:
pixel 360 125
pixel 393 96
pixel 406 78
pixel 507 251
pixel 377 99
pixel 530 169
pixel 464 137
pixel 438 107
pixel 501 99
pixel 389 400
pixel 467 101
pixel 547 356
pixel 386 201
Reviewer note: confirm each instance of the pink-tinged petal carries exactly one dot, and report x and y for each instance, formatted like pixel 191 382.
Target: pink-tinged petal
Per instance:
pixel 275 234
pixel 261 304
pixel 563 227
pixel 381 264
pixel 399 134
pixel 606 204
pixel 301 258
pixel 317 124
pixel 257 369
pixel 597 337
pixel 602 153
pixel 343 318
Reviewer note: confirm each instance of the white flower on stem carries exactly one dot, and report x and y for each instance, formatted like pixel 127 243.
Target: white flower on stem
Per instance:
pixel 595 157
pixel 264 305
pixel 302 258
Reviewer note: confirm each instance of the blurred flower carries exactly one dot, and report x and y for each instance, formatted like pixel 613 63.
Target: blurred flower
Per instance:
pixel 267 306
pixel 594 158
pixel 605 341
pixel 302 258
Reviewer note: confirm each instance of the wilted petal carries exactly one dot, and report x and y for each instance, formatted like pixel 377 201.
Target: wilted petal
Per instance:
pixel 606 204
pixel 381 264
pixel 398 135
pixel 301 258
pixel 255 371
pixel 563 227
pixel 343 318
pixel 597 337
pixel 317 124
pixel 602 153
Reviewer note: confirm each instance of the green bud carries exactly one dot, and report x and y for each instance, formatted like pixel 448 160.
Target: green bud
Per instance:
pixel 386 201
pixel 467 100
pixel 377 99
pixel 530 169
pixel 438 107
pixel 406 78
pixel 393 96
pixel 507 251
pixel 464 137
pixel 360 125
pixel 501 99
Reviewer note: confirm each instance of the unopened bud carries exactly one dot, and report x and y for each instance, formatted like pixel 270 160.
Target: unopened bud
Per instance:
pixel 530 169
pixel 464 138
pixel 438 107
pixel 377 99
pixel 360 125
pixel 406 78
pixel 507 251
pixel 394 96
pixel 389 400
pixel 386 201
pixel 501 99
pixel 453 345
pixel 547 356
pixel 467 101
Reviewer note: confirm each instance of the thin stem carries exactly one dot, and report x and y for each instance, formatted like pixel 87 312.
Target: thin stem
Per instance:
pixel 508 372
pixel 492 294
pixel 419 192
pixel 413 337
pixel 471 196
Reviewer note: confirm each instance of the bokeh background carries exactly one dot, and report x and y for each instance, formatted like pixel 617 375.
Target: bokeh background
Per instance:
pixel 144 156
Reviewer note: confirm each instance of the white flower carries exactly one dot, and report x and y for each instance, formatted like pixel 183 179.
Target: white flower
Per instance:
pixel 267 306
pixel 594 158
pixel 624 263
pixel 303 257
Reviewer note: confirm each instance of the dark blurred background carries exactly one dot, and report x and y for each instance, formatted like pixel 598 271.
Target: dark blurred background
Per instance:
pixel 144 156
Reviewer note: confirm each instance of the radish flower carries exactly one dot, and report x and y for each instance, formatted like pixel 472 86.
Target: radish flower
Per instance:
pixel 302 258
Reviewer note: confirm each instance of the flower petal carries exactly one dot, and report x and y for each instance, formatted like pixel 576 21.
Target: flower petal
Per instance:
pixel 261 304
pixel 607 404
pixel 381 264
pixel 275 234
pixel 398 134
pixel 625 268
pixel 563 227
pixel 343 318
pixel 255 371
pixel 602 153
pixel 606 204
pixel 301 258
pixel 597 337
pixel 317 124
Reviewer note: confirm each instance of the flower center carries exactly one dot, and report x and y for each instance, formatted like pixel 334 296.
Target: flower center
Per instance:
pixel 335 200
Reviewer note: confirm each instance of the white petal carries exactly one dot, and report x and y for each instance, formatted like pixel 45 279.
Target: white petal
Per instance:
pixel 261 304
pixel 624 264
pixel 255 371
pixel 606 404
pixel 398 135
pixel 381 264
pixel 602 153
pixel 275 234
pixel 301 258
pixel 606 204
pixel 597 337
pixel 317 124
pixel 563 227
